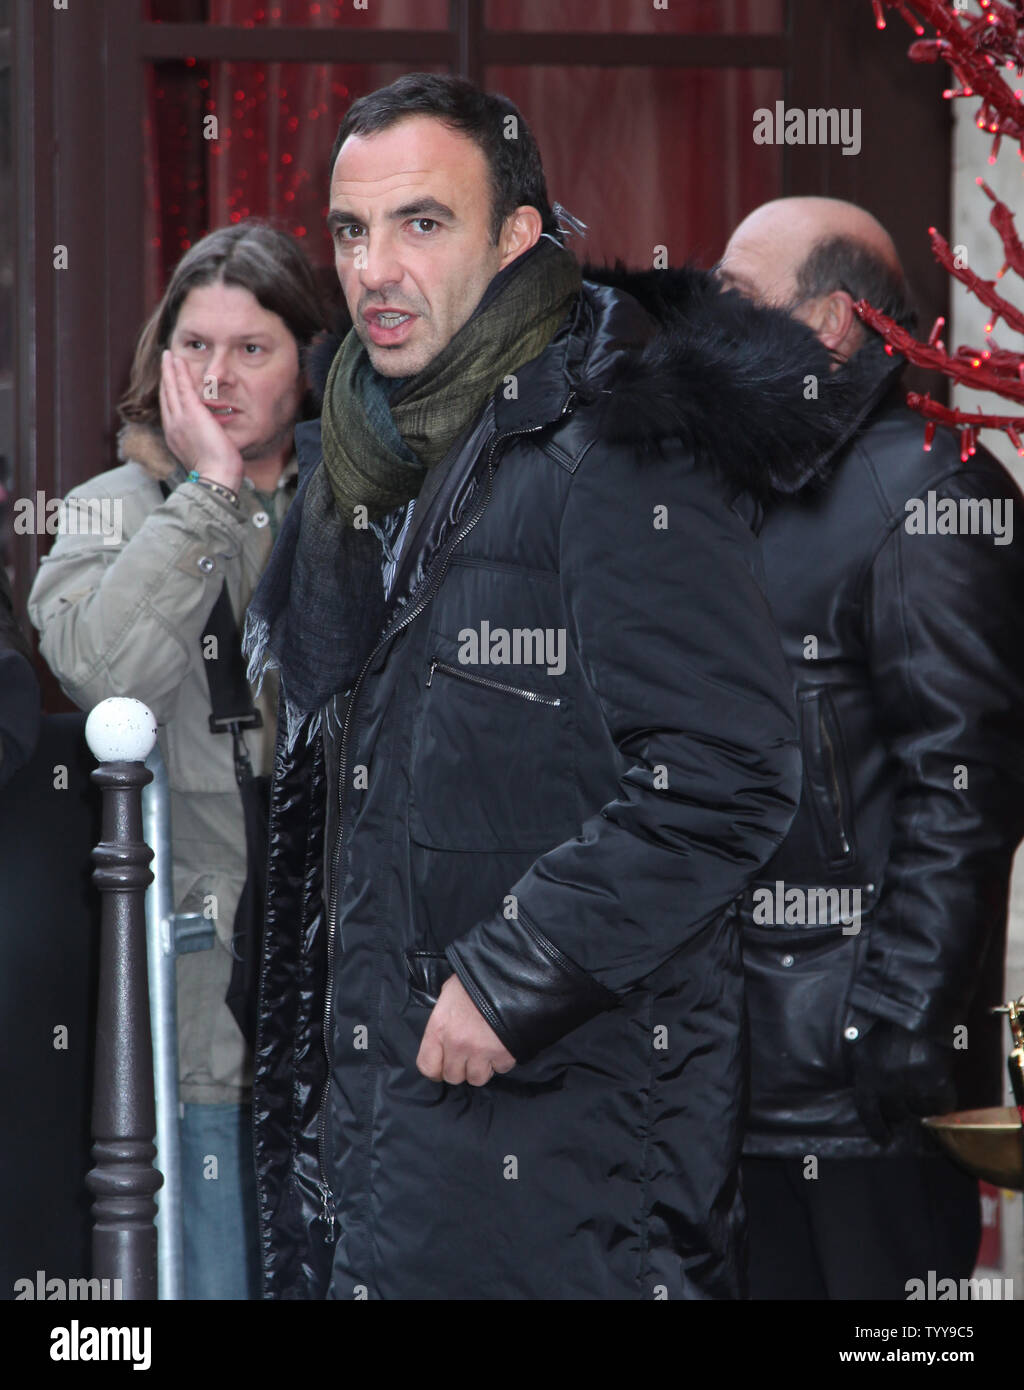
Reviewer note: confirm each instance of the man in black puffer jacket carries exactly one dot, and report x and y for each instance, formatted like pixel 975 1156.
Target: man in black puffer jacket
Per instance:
pixel 898 588
pixel 537 734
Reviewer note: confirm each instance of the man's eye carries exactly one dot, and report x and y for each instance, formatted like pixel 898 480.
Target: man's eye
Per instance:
pixel 340 232
pixel 253 348
pixel 429 222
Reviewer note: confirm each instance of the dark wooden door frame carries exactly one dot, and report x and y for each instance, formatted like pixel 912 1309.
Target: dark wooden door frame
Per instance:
pixel 903 174
pixel 78 155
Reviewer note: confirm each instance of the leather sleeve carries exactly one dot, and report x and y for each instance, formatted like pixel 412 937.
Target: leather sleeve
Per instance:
pixel 944 619
pixel 677 643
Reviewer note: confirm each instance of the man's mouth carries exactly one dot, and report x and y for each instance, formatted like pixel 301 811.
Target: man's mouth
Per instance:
pixel 388 327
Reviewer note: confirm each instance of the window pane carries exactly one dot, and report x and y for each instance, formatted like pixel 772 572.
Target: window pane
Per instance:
pixel 638 16
pixel 258 14
pixel 650 157
pixel 266 156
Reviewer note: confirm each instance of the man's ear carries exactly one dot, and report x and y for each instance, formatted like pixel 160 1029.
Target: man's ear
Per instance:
pixel 522 230
pixel 832 318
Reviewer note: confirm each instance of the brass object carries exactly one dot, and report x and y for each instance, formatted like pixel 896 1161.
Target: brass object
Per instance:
pixel 990 1143
pixel 1015 1062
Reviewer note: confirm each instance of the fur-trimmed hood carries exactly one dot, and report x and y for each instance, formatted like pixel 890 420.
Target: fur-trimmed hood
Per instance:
pixel 749 390
pixel 146 445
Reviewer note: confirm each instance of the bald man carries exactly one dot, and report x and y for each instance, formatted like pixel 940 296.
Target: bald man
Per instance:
pixel 874 940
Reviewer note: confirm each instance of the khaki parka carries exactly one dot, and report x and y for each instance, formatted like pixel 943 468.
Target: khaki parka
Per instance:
pixel 121 603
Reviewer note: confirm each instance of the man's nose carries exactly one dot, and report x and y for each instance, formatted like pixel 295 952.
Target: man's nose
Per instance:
pixel 380 265
pixel 219 371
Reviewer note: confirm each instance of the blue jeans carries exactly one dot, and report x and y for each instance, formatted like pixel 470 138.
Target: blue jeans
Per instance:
pixel 219 1198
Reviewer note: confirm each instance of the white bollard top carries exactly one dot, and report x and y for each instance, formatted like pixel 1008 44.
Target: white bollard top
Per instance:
pixel 121 730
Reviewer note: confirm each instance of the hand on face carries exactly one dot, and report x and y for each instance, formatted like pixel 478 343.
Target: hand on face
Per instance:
pixel 231 386
pixel 458 1044
pixel 193 434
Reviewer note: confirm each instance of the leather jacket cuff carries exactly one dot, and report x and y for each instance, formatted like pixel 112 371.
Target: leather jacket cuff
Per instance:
pixel 528 990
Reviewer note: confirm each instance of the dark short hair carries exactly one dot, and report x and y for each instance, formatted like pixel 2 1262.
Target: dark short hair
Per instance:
pixel 251 255
pixel 517 173
pixel 843 263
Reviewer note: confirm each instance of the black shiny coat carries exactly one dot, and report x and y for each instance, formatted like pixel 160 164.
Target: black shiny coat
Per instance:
pixel 911 707
pixel 570 843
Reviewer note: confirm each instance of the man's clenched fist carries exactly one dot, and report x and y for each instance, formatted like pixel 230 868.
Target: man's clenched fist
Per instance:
pixel 458 1043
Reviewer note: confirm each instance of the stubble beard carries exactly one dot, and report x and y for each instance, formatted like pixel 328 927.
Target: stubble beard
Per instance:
pixel 273 446
pixel 385 360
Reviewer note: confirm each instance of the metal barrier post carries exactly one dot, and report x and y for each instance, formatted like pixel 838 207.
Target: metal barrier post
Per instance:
pixel 168 936
pixel 121 733
pixel 160 954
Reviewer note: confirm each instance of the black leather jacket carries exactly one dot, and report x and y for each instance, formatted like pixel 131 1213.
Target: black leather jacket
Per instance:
pixel 907 652
pixel 569 841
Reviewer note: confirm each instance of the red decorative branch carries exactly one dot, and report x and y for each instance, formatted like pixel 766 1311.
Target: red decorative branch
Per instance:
pixel 975 47
pixel 967 422
pixel 967 365
pixel 979 49
pixel 983 290
pixel 1001 218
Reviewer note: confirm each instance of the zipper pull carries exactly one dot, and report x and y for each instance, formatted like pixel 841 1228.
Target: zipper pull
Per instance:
pixel 329 1214
pixel 430 673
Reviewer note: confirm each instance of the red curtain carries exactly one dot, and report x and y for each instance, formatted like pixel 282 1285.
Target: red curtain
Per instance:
pixel 647 157
pixel 275 125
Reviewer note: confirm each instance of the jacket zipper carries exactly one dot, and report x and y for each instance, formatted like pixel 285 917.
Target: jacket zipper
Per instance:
pixel 837 796
pixel 436 665
pixel 328 1213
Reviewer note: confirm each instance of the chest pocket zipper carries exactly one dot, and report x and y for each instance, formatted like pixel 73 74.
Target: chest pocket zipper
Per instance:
pixel 460 674
pixel 478 745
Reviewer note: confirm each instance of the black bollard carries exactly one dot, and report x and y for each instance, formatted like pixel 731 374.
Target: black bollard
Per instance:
pixel 124 1180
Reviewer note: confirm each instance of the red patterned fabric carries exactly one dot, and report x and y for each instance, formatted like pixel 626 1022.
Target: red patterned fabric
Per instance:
pixel 648 158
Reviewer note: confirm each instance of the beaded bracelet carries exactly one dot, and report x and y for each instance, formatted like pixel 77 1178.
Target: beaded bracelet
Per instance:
pixel 218 488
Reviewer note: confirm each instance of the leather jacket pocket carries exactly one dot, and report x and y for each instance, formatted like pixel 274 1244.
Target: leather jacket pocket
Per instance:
pixel 826 777
pixel 426 972
pixel 797 984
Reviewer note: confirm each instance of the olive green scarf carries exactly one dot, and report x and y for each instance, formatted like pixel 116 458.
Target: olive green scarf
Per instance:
pixel 378 458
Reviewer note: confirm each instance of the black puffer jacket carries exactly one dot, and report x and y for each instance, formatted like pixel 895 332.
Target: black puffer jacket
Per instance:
pixel 907 652
pixel 568 838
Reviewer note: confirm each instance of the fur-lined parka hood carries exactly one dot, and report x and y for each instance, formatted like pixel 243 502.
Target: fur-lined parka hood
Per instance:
pixel 749 390
pixel 146 445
